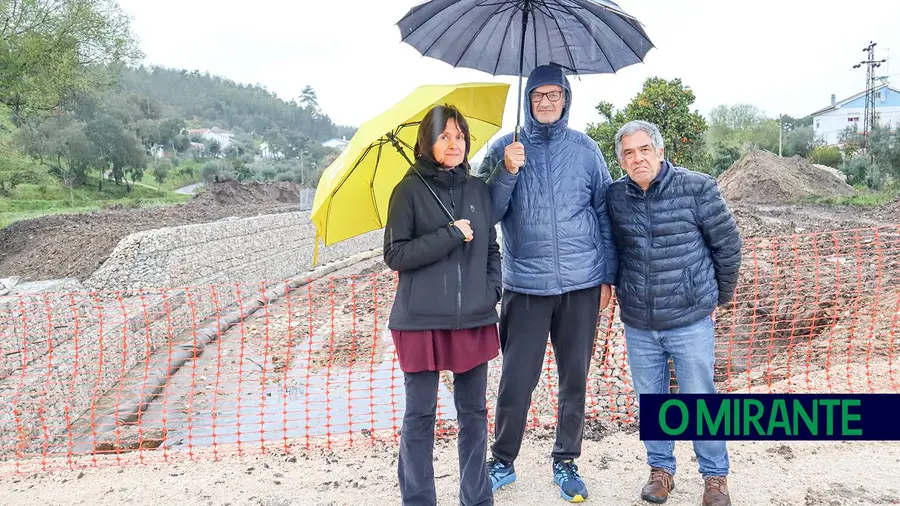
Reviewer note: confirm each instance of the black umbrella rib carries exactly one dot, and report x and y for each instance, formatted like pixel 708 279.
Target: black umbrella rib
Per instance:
pixel 503 42
pixel 446 29
pixel 372 183
pixel 341 184
pixel 404 125
pixel 563 35
pixel 480 29
pixel 506 4
pixel 625 41
pixel 588 29
pixel 623 14
pixel 405 144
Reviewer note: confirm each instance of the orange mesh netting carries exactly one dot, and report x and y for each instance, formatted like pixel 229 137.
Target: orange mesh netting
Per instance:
pixel 201 372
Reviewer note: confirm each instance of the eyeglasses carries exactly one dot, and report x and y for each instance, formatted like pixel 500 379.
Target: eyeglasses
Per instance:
pixel 553 96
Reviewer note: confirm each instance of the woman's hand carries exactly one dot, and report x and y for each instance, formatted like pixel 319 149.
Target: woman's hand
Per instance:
pixel 465 228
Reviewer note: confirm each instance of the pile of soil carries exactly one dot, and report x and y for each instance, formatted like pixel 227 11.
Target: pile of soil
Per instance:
pixel 894 209
pixel 760 177
pixel 838 174
pixel 75 245
pixel 231 193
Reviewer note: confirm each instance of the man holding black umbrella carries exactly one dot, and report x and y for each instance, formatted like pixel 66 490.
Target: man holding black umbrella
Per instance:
pixel 548 191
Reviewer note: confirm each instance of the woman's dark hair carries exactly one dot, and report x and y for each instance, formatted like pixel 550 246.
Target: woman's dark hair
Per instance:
pixel 433 125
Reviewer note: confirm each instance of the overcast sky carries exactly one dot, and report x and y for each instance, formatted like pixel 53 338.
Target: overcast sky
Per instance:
pixel 785 56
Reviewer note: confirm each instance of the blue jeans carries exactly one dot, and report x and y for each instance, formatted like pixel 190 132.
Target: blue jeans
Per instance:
pixel 692 349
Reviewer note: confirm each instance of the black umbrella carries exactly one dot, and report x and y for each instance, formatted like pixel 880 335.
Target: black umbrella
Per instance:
pixel 512 37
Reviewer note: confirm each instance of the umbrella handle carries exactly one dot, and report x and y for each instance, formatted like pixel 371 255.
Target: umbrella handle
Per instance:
pixel 446 211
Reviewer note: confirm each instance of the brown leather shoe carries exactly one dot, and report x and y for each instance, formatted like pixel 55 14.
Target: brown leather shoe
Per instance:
pixel 715 492
pixel 658 486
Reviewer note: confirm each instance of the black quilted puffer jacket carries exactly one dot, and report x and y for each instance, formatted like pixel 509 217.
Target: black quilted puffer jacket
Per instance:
pixel 679 249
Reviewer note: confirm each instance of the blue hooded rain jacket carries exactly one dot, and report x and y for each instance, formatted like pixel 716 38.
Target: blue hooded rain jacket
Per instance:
pixel 557 236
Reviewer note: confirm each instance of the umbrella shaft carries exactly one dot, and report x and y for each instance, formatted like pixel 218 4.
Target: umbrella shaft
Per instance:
pixel 526 8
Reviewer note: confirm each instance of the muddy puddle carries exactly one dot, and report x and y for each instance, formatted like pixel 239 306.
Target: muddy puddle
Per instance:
pixel 339 382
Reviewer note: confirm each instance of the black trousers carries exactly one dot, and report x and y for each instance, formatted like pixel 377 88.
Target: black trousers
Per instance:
pixel 416 469
pixel 525 321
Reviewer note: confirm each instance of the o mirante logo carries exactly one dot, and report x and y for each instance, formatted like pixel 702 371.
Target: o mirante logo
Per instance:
pixel 864 417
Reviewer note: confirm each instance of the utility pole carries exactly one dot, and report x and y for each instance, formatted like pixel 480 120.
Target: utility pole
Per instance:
pixel 780 132
pixel 302 175
pixel 871 64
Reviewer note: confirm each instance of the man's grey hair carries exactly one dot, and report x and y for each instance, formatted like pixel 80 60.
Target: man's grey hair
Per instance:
pixel 636 126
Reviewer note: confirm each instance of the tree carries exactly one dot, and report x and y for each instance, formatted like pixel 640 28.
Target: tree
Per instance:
pixel 243 172
pixel 69 143
pixel 15 167
pixel 118 149
pixel 666 104
pixel 161 168
pixel 879 165
pixel 213 147
pixel 277 143
pixel 826 155
pixel 850 140
pixel 798 139
pixel 741 127
pixel 72 129
pixel 308 98
pixel 722 157
pixel 54 49
pixel 725 119
pixel 215 171
pixel 790 122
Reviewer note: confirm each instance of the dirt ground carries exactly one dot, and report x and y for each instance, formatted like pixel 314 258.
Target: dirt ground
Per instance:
pixel 774 220
pixel 762 473
pixel 74 245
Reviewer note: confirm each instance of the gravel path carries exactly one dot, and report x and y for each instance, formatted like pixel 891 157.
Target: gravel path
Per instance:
pixel 804 474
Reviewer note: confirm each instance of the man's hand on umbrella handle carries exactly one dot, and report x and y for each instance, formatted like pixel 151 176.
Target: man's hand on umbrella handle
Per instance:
pixel 514 157
pixel 465 227
pixel 605 294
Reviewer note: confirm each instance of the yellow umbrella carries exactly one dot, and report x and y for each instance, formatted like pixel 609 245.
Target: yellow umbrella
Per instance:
pixel 353 192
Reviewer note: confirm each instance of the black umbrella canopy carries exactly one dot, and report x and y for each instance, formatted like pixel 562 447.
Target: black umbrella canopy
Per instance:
pixel 512 37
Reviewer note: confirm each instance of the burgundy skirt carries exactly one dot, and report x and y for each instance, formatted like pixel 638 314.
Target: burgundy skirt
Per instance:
pixel 456 351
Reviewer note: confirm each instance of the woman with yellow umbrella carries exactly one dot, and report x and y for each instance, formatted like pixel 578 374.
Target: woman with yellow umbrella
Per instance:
pixel 439 236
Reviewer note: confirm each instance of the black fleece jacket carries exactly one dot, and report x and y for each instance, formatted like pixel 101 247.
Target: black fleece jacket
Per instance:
pixel 445 282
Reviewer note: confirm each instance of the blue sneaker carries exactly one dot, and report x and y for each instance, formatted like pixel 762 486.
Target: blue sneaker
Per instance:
pixel 571 487
pixel 501 474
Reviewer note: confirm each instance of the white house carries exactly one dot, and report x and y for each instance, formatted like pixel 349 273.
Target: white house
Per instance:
pixel 830 121
pixel 223 137
pixel 336 143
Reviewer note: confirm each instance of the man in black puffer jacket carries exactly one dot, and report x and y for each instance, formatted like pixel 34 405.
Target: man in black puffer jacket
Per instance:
pixel 679 253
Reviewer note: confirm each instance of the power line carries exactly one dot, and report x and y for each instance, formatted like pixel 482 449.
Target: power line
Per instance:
pixel 871 64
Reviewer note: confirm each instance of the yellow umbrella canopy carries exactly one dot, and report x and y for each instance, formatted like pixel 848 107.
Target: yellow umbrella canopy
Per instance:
pixel 353 193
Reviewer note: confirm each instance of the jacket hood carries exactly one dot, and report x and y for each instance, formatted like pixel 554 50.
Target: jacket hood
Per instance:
pixel 540 76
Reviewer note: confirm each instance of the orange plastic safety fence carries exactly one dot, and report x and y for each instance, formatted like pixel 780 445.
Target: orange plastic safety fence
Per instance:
pixel 99 378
